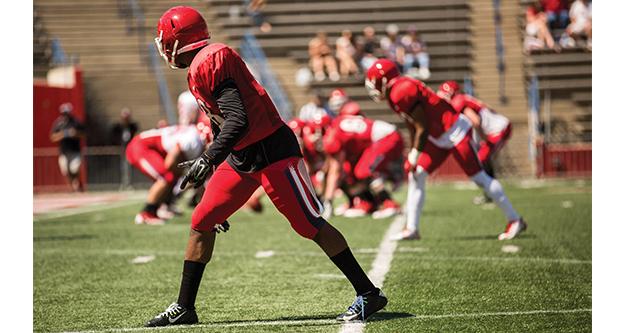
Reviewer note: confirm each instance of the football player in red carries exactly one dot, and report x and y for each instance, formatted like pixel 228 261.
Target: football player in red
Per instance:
pixel 365 150
pixel 437 130
pixel 252 147
pixel 156 154
pixel 493 130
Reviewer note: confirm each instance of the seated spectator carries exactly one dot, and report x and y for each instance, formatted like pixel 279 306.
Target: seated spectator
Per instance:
pixel 580 24
pixel 346 52
pixel 416 55
pixel 392 47
pixel 254 10
pixel 313 109
pixel 556 13
pixel 368 47
pixel 321 56
pixel 537 34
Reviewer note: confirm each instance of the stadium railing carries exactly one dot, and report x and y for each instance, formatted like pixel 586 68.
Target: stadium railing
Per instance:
pixel 255 57
pixel 107 170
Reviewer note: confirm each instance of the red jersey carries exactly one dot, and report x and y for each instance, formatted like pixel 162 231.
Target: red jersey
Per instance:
pixel 462 101
pixel 406 93
pixel 163 140
pixel 354 134
pixel 491 122
pixel 217 64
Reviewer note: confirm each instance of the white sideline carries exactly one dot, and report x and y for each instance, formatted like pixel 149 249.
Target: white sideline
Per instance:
pixel 379 269
pixel 332 321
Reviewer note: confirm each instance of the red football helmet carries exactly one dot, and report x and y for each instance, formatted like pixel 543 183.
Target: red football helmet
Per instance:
pixel 378 77
pixel 180 29
pixel 337 99
pixel 351 109
pixel 448 89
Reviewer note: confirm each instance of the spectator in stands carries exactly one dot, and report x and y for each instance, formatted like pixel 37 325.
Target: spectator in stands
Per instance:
pixel 392 46
pixel 580 24
pixel 321 56
pixel 123 131
pixel 315 108
pixel 369 46
pixel 556 13
pixel 255 11
pixel 416 55
pixel 346 51
pixel 537 34
pixel 67 132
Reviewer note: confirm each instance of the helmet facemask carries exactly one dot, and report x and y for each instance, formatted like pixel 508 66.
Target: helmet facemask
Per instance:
pixel 377 95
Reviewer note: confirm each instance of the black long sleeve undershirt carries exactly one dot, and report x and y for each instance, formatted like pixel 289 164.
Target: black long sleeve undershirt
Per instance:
pixel 234 126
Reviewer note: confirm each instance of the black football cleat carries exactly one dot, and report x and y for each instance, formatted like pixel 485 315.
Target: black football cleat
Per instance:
pixel 175 314
pixel 364 306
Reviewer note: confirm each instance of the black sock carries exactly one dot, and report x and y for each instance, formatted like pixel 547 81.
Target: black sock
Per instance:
pixel 151 208
pixel 345 261
pixel 367 196
pixel 190 281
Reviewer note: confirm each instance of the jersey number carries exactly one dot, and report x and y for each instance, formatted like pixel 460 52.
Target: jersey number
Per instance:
pixel 355 125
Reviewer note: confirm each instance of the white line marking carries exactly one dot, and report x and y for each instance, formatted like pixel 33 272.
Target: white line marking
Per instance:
pixel 537 260
pixel 492 314
pixel 264 254
pixel 84 210
pixel 379 269
pixel 567 204
pixel 510 248
pixel 329 276
pixel 143 259
pixel 330 321
pixel 412 249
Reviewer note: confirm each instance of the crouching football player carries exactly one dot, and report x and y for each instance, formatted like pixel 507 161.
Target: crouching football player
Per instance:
pixel 252 147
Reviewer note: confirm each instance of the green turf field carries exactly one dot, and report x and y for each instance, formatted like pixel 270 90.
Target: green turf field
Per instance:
pixel 456 279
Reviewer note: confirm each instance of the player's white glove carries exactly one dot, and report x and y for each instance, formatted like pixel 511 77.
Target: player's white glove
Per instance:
pixel 199 170
pixel 328 210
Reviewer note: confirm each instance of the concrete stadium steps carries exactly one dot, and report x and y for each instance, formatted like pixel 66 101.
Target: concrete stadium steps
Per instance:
pixel 514 157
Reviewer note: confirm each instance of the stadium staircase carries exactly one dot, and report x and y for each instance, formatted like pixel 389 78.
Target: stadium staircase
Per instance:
pixel 514 158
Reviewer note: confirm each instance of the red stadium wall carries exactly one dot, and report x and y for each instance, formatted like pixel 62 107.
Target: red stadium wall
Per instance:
pixel 565 160
pixel 46 101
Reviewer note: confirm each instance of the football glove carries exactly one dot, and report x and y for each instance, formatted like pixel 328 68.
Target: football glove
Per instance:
pixel 198 171
pixel 224 227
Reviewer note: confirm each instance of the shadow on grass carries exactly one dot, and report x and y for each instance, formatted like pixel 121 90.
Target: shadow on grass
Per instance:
pixel 381 316
pixel 63 238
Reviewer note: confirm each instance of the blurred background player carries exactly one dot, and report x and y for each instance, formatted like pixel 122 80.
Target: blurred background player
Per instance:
pixel 67 132
pixel 157 152
pixel 361 152
pixel 492 130
pixel 437 130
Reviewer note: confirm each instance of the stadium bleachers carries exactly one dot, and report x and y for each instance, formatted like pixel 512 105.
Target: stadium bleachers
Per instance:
pixel 443 24
pixel 41 51
pixel 567 78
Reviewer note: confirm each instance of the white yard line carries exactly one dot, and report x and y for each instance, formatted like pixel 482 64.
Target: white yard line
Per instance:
pixel 84 210
pixel 379 269
pixel 295 322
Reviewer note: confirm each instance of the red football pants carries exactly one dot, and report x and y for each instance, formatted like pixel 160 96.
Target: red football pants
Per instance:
pixel 286 183
pixel 493 144
pixel 432 157
pixel 149 161
pixel 377 157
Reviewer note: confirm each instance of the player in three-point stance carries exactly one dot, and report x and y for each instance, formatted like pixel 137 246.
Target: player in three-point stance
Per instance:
pixel 437 130
pixel 492 130
pixel 252 147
